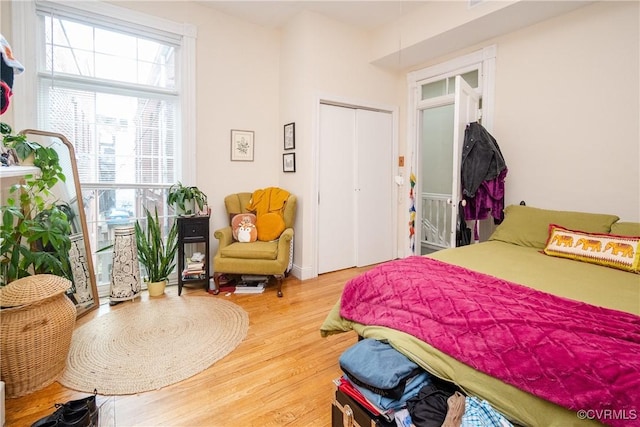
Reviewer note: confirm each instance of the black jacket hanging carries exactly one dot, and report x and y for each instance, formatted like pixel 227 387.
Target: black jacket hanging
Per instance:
pixel 481 158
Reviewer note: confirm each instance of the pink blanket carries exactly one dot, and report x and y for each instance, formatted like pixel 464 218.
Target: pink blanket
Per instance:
pixel 576 355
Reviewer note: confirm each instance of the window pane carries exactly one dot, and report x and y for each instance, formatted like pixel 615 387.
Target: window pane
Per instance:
pixel 447 86
pixel 471 78
pixel 118 138
pixel 108 208
pixel 432 90
pixel 116 68
pixel 81 49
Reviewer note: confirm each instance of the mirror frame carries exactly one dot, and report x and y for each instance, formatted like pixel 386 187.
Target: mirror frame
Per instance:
pixel 81 213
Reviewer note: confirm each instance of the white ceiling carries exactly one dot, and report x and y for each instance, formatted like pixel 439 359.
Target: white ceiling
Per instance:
pixel 363 14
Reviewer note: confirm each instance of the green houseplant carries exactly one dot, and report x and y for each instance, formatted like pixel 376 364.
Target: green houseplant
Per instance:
pixel 43 157
pixel 157 255
pixel 185 198
pixel 35 231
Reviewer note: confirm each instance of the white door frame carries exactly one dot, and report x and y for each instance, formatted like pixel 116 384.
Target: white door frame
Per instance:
pixel 486 57
pixel 323 98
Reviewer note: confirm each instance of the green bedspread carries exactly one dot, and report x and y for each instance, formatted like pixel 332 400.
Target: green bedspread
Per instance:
pixel 597 285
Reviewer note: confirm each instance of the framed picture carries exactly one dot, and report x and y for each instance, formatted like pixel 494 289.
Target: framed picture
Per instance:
pixel 290 136
pixel 289 162
pixel 241 145
pixel 9 156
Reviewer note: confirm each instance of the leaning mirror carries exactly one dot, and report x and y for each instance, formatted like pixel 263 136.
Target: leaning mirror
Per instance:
pixel 68 198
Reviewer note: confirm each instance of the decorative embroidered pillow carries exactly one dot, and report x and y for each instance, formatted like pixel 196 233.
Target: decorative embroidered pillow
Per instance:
pixel 243 227
pixel 621 252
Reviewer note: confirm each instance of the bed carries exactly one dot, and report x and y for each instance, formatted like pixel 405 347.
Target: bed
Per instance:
pixel 579 365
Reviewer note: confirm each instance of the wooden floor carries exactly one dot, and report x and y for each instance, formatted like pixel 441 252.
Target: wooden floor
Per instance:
pixel 280 375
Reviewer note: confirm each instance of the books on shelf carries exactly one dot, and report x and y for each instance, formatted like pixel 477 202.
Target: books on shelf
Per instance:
pixel 195 274
pixel 194 266
pixel 194 270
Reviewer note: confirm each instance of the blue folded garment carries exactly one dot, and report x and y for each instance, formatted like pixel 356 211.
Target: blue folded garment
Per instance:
pixel 379 367
pixel 412 389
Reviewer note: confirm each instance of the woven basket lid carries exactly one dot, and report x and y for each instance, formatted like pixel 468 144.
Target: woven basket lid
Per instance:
pixel 31 289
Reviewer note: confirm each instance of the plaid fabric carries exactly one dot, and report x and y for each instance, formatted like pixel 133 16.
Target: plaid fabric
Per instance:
pixel 479 413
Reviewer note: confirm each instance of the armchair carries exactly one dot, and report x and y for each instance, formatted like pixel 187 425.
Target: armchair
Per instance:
pixel 260 258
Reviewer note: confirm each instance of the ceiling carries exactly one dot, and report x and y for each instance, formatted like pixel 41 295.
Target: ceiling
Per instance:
pixel 363 14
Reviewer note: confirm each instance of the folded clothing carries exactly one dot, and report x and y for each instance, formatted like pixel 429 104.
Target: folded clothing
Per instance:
pixel 479 413
pixel 388 405
pixel 378 367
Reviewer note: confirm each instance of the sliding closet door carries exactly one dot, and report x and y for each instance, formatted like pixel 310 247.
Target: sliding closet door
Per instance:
pixel 355 210
pixel 336 198
pixel 374 187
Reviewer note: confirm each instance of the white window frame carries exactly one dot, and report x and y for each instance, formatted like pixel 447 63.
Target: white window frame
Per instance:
pixel 24 42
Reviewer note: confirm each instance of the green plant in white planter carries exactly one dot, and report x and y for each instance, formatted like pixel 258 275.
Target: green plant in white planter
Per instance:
pixel 185 198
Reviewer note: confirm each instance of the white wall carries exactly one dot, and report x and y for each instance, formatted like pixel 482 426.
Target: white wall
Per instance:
pixel 567 114
pixel 321 57
pixel 567 111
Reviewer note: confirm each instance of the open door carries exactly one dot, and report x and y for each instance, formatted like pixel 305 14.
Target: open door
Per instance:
pixel 466 109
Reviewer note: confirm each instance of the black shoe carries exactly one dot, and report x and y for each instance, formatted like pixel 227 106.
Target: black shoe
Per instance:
pixel 79 418
pixel 50 420
pixel 69 410
pixel 87 402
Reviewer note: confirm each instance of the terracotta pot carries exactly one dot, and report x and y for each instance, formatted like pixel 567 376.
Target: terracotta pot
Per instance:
pixel 156 288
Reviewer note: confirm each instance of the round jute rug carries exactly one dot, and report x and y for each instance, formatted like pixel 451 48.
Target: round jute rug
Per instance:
pixel 152 344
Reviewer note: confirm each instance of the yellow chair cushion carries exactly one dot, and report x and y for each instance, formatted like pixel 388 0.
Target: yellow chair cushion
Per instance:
pixel 252 250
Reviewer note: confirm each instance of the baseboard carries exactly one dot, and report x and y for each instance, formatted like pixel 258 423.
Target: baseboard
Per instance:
pixel 302 273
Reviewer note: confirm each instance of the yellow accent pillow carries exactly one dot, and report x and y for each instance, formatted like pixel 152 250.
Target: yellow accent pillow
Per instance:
pixel 270 226
pixel 610 250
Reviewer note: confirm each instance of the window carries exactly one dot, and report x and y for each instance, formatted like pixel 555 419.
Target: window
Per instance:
pixel 445 86
pixel 112 86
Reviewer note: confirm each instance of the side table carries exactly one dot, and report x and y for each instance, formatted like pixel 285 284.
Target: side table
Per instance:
pixel 193 238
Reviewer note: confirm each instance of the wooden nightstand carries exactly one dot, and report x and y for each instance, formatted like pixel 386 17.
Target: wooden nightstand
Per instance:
pixel 193 237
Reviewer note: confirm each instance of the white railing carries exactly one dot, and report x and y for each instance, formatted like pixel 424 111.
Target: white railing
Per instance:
pixel 436 219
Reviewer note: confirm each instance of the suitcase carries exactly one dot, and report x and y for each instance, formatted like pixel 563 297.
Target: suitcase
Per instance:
pixel 346 412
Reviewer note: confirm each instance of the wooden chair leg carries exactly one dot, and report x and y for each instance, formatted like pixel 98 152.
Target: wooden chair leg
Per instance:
pixel 279 278
pixel 216 282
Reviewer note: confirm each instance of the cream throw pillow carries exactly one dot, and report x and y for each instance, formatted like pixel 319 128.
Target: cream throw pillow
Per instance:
pixel 621 252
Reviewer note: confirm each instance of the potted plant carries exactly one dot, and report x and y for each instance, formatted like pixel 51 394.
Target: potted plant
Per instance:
pixel 156 255
pixel 35 231
pixel 29 152
pixel 185 198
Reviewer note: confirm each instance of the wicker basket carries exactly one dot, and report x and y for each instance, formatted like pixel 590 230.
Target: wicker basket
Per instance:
pixel 36 323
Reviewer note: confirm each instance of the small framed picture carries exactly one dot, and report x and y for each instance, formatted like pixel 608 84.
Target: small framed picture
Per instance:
pixel 289 162
pixel 9 156
pixel 241 145
pixel 290 136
